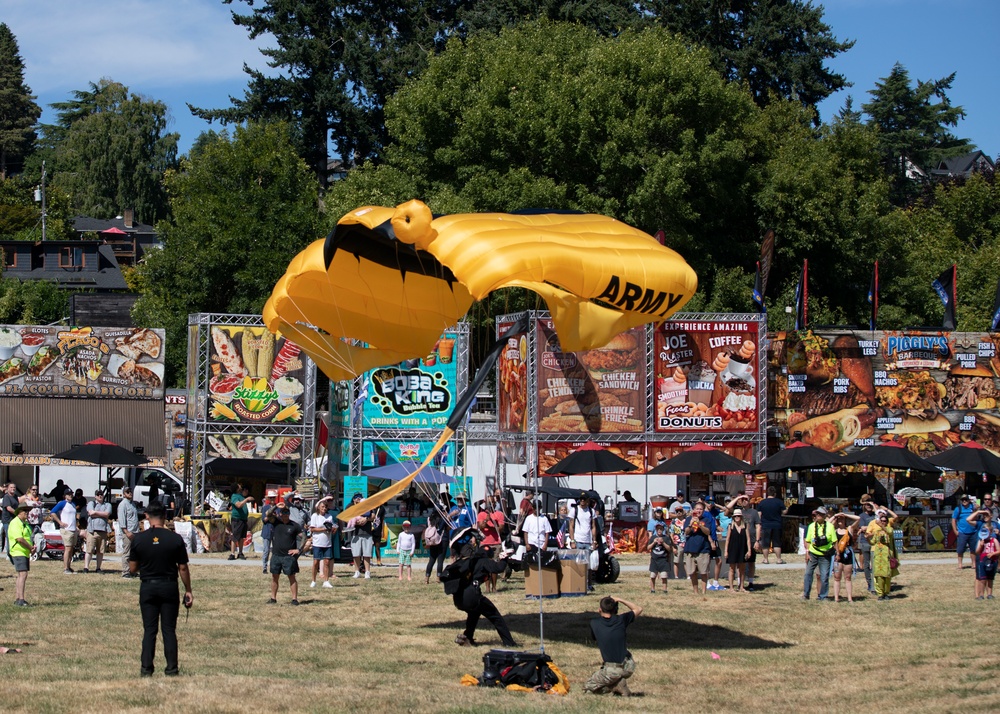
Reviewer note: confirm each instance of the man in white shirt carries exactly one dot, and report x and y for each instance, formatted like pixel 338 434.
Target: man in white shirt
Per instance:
pixel 536 529
pixel 64 515
pixel 583 529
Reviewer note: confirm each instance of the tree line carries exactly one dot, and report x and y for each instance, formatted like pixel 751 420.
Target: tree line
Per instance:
pixel 695 117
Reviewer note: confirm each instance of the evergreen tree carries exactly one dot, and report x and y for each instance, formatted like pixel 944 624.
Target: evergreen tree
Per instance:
pixel 18 110
pixel 913 123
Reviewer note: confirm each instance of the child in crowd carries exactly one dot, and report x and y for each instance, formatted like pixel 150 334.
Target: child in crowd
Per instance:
pixel 675 530
pixel 405 547
pixel 660 550
pixel 987 555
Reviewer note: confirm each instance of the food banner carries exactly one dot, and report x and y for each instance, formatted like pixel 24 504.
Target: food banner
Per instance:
pixel 551 453
pixel 385 452
pixel 914 532
pixel 841 390
pixel 416 393
pixel 512 380
pixel 257 378
pixel 937 532
pixel 595 391
pixel 660 452
pixel 111 362
pixel 176 428
pixel 706 376
pixel 270 448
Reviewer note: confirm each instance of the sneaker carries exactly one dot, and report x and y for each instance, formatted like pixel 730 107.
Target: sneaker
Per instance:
pixel 231 557
pixel 357 574
pixel 749 587
pixel 312 584
pixel 68 571
pixel 86 570
pixel 145 673
pixel 264 570
pixel 171 672
pixel 978 598
pixel 989 597
pixel 295 602
pixel 327 584
pixel 98 570
pixel 368 576
pixel 463 641
pixel 241 557
pixel 272 601
pixel 21 603
pixel 651 590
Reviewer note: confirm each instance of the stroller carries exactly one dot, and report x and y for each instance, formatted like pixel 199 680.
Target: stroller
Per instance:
pixel 49 544
pixel 608 568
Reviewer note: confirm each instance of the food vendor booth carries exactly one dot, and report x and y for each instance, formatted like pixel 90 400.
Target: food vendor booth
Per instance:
pixel 926 390
pixel 251 404
pixel 383 424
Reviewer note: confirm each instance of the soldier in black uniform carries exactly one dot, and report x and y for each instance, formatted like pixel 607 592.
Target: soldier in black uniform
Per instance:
pixel 474 565
pixel 158 556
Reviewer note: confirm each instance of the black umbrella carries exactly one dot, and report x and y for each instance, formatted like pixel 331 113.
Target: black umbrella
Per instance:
pixel 968 456
pixel 892 455
pixel 701 459
pixel 798 455
pixel 591 459
pixel 103 453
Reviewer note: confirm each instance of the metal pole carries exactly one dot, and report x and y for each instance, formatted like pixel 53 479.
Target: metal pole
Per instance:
pixel 44 212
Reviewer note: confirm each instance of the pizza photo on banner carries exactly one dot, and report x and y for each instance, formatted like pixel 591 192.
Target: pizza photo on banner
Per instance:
pixel 843 390
pixel 512 380
pixel 593 391
pixel 706 376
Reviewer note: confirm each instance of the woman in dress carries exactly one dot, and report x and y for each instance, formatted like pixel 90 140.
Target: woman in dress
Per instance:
pixel 843 562
pixel 881 535
pixel 738 547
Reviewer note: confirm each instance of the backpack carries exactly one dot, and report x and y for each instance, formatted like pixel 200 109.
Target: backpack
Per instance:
pixel 456 576
pixel 432 536
pixel 525 669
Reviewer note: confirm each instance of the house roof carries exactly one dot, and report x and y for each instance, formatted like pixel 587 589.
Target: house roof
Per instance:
pixel 962 165
pixel 86 224
pixel 108 275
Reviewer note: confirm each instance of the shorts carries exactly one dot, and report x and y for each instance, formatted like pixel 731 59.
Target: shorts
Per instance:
pixel 770 537
pixel 696 563
pixel 322 553
pixel 986 570
pixel 965 542
pixel 845 558
pixel 406 558
pixel 239 530
pixel 679 555
pixel 70 538
pixel 362 545
pixel 22 563
pixel 96 541
pixel 284 565
pixel 659 566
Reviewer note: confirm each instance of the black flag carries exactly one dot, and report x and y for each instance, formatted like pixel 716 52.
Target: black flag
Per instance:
pixel 802 298
pixel 944 286
pixel 758 293
pixel 873 298
pixel 995 322
pixel 766 260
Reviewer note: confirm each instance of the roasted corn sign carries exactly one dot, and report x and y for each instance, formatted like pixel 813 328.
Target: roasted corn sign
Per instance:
pixel 928 390
pixel 256 377
pixel 48 361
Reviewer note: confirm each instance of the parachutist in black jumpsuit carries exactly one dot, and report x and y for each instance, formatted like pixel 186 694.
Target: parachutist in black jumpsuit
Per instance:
pixel 470 599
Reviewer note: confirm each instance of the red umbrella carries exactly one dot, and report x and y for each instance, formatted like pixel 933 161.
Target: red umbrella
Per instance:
pixel 115 231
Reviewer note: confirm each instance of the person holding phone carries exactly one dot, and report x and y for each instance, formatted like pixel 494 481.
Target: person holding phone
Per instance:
pixel 322 527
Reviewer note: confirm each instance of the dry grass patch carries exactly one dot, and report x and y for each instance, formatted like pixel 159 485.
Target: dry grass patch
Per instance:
pixel 389 645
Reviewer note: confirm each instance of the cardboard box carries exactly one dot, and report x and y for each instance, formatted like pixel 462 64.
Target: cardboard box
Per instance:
pixel 573 578
pixel 549 586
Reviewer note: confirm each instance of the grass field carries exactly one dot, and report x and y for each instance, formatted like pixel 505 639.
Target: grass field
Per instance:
pixel 383 645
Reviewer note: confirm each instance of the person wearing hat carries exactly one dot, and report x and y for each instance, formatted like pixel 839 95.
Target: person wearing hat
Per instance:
pixel 966 532
pixel 20 549
pixel 462 515
pixel 158 557
pixel 821 538
pixel 64 515
pixel 739 545
pixel 864 551
pixel 405 547
pixel 463 579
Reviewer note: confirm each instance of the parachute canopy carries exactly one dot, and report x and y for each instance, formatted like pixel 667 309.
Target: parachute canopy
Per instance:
pixel 387 282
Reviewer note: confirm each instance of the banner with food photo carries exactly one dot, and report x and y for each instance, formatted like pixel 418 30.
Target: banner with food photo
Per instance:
pixel 416 393
pixel 385 452
pixel 47 361
pixel 657 453
pixel 707 376
pixel 551 453
pixel 256 378
pixel 270 448
pixel 595 391
pixel 512 380
pixel 841 390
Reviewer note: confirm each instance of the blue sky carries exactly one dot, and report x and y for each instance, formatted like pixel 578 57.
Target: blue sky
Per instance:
pixel 189 51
